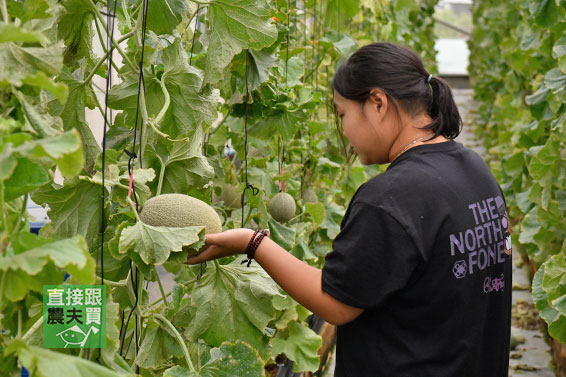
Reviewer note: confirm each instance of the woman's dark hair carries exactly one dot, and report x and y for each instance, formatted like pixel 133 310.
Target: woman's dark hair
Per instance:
pixel 399 73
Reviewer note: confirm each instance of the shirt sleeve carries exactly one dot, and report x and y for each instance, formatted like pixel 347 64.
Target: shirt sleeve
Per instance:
pixel 372 257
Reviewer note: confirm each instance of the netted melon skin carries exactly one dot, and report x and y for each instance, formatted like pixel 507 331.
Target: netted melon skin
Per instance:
pixel 282 207
pixel 309 196
pixel 231 197
pixel 178 210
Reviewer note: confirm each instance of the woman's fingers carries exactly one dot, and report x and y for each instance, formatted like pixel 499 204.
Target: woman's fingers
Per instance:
pixel 203 256
pixel 211 239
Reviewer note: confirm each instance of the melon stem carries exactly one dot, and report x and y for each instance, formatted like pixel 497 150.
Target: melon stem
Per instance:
pixel 161 288
pixel 133 207
pixel 180 340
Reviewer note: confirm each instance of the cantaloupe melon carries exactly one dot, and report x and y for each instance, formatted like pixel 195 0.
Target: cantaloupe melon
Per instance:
pixel 309 196
pixel 282 207
pixel 178 210
pixel 231 197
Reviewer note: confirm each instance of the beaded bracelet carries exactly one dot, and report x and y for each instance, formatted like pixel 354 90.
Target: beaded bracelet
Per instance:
pixel 254 244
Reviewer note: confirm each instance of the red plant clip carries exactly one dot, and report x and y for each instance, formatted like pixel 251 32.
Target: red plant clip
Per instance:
pixel 131 185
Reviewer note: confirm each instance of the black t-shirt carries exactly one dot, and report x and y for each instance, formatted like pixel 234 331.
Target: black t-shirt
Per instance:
pixel 424 249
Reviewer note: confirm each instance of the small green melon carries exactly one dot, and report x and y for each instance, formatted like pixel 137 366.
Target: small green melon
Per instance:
pixel 309 196
pixel 231 197
pixel 178 210
pixel 282 207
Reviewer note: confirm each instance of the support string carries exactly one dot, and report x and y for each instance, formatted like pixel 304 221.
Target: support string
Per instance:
pixel 253 189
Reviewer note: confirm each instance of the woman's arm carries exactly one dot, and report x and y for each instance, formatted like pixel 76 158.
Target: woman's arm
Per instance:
pixel 298 279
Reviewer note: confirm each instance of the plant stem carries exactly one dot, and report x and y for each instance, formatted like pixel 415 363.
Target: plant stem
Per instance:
pixel 3 215
pixel 126 15
pixel 99 106
pixel 179 340
pixel 203 2
pixel 105 56
pixel 161 287
pixel 160 299
pixel 161 175
pixel 212 131
pixel 163 110
pixel 38 324
pixel 114 42
pixel 133 207
pixel 22 211
pixel 115 283
pixel 5 11
pixel 19 334
pixel 103 44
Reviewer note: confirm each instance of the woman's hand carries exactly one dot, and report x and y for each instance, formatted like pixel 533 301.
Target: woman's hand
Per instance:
pixel 230 242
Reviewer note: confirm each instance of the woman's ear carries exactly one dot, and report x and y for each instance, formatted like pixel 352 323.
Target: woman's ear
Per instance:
pixel 377 99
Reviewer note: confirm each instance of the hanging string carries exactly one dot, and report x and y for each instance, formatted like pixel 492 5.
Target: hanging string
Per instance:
pixel 110 17
pixel 281 160
pixel 288 40
pixel 253 189
pixel 141 84
pixel 134 273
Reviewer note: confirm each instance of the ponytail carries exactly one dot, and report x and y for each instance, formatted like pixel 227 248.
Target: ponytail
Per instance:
pixel 443 110
pixel 400 73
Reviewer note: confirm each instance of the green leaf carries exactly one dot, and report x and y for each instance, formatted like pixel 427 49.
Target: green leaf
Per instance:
pixel 190 106
pixel 229 360
pixel 295 70
pixel 157 349
pixel 283 122
pixel 545 163
pixel 259 67
pixel 75 27
pixel 27 177
pixel 233 302
pixel 237 25
pixel 46 363
pixel 30 269
pixel 164 15
pixel 113 180
pixel 339 11
pixel 29 9
pixel 317 212
pixel 555 80
pixel 559 48
pixel 300 344
pixel 529 227
pixel 301 249
pixel 332 219
pixel 538 96
pixel 73 209
pixel 31 65
pixel 13 33
pixel 65 150
pixel 184 165
pixel 546 311
pixel 73 115
pixel 8 162
pixel 283 235
pixel 154 243
pixel 545 11
pixel 40 80
pixel 37 117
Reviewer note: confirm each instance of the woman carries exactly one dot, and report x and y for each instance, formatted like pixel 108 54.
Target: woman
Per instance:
pixel 419 279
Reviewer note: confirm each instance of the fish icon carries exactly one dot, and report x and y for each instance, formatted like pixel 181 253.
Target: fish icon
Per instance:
pixel 76 336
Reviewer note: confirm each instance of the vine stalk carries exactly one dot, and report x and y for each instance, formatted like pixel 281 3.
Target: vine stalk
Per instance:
pixel 5 11
pixel 180 340
pixel 161 287
pixel 38 324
